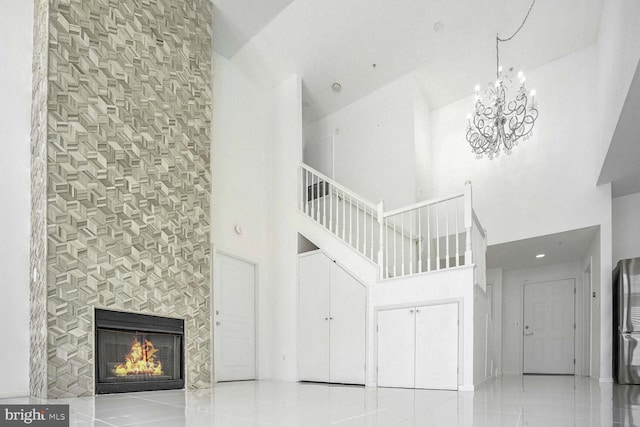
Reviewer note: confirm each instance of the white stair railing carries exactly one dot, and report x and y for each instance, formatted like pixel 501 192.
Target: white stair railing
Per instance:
pixel 423 237
pixel 350 217
pixel 427 236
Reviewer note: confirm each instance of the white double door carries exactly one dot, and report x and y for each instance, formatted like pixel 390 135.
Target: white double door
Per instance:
pixel 418 347
pixel 332 322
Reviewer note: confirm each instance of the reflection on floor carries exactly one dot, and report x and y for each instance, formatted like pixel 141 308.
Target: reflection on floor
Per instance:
pixel 510 400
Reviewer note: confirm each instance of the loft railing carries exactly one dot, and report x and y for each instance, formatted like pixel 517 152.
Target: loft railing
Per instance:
pixel 423 237
pixel 427 236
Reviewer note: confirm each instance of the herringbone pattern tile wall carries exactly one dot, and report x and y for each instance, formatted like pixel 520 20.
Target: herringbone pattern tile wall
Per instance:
pixel 128 114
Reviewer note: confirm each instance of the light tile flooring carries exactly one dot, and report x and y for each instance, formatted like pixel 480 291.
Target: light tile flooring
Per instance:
pixel 547 401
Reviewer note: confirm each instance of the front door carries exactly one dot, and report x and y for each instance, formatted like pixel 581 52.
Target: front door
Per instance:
pixel 548 330
pixel 234 317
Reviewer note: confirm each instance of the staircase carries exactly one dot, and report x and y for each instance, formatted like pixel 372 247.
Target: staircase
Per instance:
pixel 428 236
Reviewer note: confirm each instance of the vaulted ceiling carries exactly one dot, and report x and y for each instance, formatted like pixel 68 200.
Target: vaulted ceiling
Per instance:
pixel 449 44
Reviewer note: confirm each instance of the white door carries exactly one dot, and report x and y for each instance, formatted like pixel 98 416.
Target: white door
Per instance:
pixel 437 347
pixel 396 348
pixel 347 322
pixel 234 317
pixel 313 334
pixel 548 341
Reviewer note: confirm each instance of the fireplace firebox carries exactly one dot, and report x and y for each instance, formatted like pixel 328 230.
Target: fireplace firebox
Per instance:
pixel 137 352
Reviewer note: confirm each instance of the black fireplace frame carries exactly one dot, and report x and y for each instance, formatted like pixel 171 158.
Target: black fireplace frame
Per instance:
pixel 138 323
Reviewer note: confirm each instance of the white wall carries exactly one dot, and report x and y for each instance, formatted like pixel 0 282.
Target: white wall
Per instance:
pixel 513 281
pixel 618 52
pixel 626 227
pixel 374 145
pixel 424 161
pixel 482 333
pixel 592 259
pixel 494 278
pixel 240 168
pixel 548 184
pixel 441 285
pixel 16 48
pixel 278 298
pixel 618 49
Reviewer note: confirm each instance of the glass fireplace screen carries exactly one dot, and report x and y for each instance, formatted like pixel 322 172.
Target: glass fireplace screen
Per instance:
pixel 134 356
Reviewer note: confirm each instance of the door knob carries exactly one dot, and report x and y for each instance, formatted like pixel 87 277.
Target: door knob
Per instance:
pixel 218 323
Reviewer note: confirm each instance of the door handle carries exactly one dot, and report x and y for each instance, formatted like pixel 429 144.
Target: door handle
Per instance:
pixel 218 323
pixel 528 333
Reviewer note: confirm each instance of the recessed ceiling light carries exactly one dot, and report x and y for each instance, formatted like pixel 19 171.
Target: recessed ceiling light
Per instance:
pixel 540 256
pixel 337 87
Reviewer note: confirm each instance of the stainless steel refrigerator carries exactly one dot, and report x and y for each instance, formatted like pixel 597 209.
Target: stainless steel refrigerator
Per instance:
pixel 626 321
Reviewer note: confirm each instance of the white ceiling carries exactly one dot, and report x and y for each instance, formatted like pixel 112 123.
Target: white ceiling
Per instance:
pixel 558 248
pixel 622 165
pixel 337 40
pixel 235 22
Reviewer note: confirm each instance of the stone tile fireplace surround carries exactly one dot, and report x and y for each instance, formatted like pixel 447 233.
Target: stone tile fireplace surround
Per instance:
pixel 120 179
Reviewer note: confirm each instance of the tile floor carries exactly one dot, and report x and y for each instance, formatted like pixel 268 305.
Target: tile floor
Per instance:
pixel 510 400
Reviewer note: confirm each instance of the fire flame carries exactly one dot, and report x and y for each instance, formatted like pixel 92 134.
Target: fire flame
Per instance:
pixel 140 360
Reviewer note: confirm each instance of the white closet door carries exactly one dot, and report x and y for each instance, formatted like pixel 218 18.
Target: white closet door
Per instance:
pixel 315 275
pixel 234 333
pixel 437 347
pixel 396 348
pixel 348 316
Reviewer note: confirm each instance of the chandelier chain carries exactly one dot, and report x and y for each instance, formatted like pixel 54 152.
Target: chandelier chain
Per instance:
pixel 498 39
pixel 521 25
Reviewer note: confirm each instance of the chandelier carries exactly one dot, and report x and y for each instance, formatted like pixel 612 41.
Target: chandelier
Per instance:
pixel 498 124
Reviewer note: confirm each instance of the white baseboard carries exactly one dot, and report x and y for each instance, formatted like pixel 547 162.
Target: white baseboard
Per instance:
pixel 17 393
pixel 482 380
pixel 605 380
pixel 466 387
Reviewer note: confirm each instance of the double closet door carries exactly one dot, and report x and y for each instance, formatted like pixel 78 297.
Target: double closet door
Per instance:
pixel 332 319
pixel 418 347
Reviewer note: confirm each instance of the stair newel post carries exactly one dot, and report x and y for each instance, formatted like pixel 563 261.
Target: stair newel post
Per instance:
pixel 381 240
pixel 468 222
